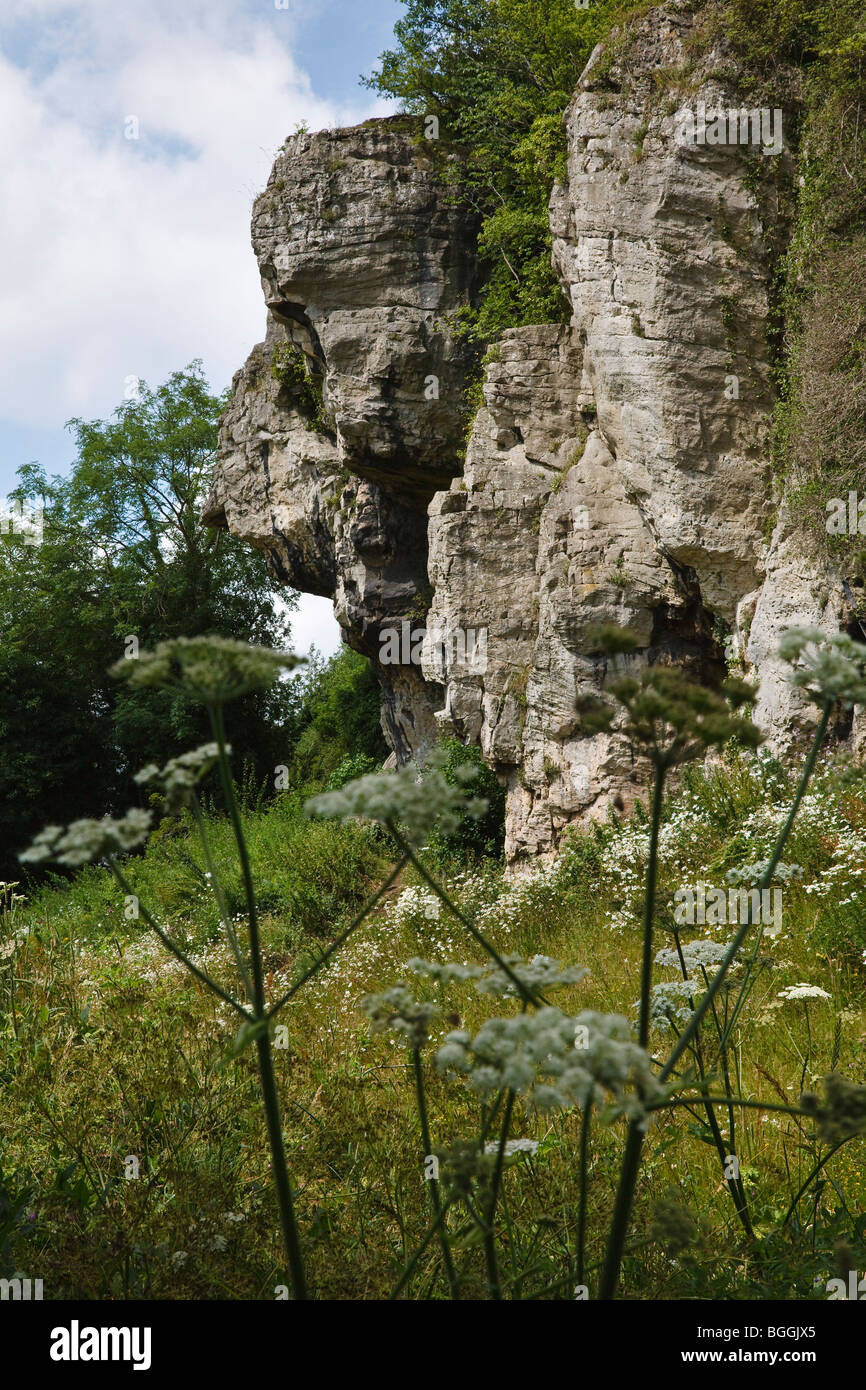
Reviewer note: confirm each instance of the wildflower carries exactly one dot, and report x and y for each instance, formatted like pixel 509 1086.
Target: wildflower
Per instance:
pixel 541 974
pixel 210 670
pixel 538 1056
pixel 843 1113
pixel 180 775
pixel 394 1010
pixel 85 840
pixel 462 1165
pixel 832 667
pixel 666 1000
pixel 444 974
pixel 753 873
pixel 671 716
pixel 698 955
pixel 513 1147
pixel 416 799
pixel 803 991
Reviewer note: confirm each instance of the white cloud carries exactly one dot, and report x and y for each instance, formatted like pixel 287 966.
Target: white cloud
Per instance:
pixel 130 257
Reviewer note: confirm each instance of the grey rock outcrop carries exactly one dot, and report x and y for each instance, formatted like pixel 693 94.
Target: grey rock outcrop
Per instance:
pixel 617 470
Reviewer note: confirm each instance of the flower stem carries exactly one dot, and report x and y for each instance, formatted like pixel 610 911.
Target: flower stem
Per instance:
pixel 582 1203
pixel 649 906
pixel 282 1183
pixel 435 1203
pixel 766 878
pixel 493 1278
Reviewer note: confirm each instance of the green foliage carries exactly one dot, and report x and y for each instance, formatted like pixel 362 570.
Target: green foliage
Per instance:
pixel 291 368
pixel 123 554
pixel 819 46
pixel 473 838
pixel 498 74
pixel 335 719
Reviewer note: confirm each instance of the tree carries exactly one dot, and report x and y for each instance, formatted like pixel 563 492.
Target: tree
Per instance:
pixel 124 559
pixel 498 74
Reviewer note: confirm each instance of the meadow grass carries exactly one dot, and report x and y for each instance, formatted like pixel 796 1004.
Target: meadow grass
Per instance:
pixel 111 1051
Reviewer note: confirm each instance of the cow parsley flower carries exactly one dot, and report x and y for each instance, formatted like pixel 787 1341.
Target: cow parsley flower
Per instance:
pixel 539 975
pixel 415 799
pixel 86 840
pixel 698 955
pixel 210 670
pixel 666 1000
pixel 671 716
pixel 395 1011
pixel 445 973
pixel 753 873
pixel 803 991
pixel 513 1147
pixel 179 777
pixel 555 1061
pixel 674 1226
pixel 831 667
pixel 843 1112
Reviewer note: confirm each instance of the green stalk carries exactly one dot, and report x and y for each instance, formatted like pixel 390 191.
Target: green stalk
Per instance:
pixel 216 717
pixel 216 888
pixel 493 1278
pixel 288 1223
pixel 649 906
pixel 814 1173
pixel 636 1129
pixel 433 1182
pixel 408 1271
pixel 767 878
pixel 526 994
pixel 582 1202
pixel 621 1212
pixel 283 1186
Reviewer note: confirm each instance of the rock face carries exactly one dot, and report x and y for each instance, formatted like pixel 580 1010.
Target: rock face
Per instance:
pixel 617 470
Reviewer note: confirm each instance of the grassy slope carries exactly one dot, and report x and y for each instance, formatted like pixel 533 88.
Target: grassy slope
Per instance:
pixel 107 1049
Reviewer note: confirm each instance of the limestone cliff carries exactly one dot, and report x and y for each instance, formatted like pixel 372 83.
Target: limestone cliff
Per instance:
pixel 616 471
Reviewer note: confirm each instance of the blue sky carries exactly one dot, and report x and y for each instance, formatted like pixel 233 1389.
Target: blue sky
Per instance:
pixel 122 256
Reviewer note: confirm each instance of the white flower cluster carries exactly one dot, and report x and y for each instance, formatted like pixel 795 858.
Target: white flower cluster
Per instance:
pixel 180 775
pixel 698 955
pixel 395 1011
pixel 753 873
pixel 210 669
pixel 555 1061
pixel 540 975
pixel 803 991
pixel 831 667
pixel 513 1147
pixel 666 1000
pixel 85 840
pixel 415 905
pixel 412 798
